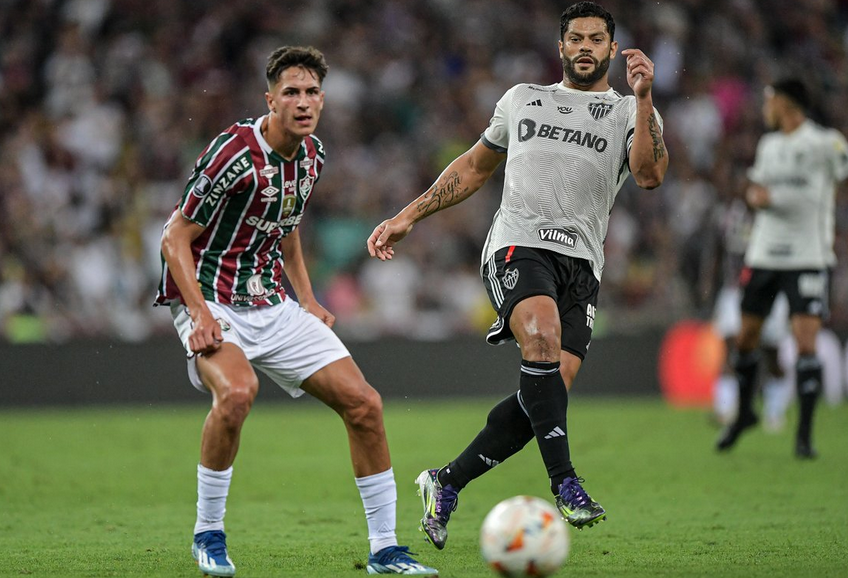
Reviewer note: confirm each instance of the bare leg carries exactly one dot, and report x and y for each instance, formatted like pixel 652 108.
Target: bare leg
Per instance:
pixel 342 386
pixel 233 383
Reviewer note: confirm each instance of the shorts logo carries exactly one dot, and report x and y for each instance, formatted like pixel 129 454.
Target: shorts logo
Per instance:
pixel 510 279
pixel 590 317
pixel 559 236
pixel 202 187
pixel 223 323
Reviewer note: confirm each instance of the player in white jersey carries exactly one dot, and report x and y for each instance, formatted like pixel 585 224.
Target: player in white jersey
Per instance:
pixel 223 251
pixel 793 189
pixel 733 221
pixel 568 148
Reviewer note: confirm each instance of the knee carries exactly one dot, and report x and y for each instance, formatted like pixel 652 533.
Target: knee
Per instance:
pixel 364 410
pixel 540 344
pixel 234 400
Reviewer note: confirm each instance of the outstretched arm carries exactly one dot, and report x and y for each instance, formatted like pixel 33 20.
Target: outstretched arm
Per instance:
pixel 461 179
pixel 648 157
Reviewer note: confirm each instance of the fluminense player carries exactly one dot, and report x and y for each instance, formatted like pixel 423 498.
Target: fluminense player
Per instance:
pixel 568 147
pixel 225 249
pixel 793 189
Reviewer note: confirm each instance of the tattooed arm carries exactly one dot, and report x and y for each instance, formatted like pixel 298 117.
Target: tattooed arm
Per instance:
pixel 461 179
pixel 648 157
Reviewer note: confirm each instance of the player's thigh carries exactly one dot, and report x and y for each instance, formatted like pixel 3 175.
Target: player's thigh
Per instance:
pixel 341 385
pixel 512 275
pixel 227 371
pixel 759 290
pixel 296 345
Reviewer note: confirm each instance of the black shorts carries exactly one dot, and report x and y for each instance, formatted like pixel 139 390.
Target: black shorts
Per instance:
pixel 514 273
pixel 806 290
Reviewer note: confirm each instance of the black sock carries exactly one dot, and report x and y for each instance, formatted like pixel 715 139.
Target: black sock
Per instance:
pixel 507 430
pixel 545 398
pixel 808 372
pixel 746 365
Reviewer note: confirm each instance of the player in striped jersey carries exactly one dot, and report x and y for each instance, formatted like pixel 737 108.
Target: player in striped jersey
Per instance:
pixel 224 249
pixel 568 149
pixel 793 190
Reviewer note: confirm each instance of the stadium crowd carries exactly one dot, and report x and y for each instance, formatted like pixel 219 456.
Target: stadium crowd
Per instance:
pixel 105 103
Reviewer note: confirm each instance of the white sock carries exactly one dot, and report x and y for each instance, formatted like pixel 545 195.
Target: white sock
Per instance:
pixel 212 490
pixel 777 395
pixel 726 397
pixel 379 496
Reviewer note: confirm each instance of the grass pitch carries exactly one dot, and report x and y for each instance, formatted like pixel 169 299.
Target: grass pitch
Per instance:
pixel 111 492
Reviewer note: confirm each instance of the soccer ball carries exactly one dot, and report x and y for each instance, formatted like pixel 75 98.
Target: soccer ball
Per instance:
pixel 524 536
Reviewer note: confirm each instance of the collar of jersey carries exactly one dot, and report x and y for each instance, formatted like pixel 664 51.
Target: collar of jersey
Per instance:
pixel 561 86
pixel 257 131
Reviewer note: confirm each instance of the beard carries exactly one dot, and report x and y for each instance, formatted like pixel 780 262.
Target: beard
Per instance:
pixel 585 78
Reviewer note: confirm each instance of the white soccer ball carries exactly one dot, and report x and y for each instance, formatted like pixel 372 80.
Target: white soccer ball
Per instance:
pixel 524 536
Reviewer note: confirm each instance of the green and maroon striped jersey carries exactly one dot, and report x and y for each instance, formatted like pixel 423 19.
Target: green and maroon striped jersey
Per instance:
pixel 247 197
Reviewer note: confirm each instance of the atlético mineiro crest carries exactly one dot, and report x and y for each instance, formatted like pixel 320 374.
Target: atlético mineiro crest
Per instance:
pixel 510 278
pixel 599 110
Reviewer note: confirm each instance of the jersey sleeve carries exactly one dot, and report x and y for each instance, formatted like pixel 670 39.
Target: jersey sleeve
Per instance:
pixel 757 173
pixel 496 135
pixel 221 171
pixel 839 156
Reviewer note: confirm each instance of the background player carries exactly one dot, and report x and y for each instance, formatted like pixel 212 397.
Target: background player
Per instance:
pixel 568 148
pixel 224 247
pixel 793 186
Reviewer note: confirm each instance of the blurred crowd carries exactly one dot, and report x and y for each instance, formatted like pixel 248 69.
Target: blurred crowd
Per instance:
pixel 105 104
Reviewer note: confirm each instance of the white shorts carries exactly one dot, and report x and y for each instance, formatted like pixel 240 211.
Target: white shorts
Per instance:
pixel 284 341
pixel 727 317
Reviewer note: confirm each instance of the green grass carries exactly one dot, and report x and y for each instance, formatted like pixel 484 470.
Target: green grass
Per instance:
pixel 111 492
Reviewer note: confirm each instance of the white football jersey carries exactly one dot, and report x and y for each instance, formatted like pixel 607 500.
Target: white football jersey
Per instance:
pixel 567 158
pixel 800 171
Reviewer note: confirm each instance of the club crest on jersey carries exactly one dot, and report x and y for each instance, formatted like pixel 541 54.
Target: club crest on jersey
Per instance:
pixel 510 279
pixel 202 187
pixel 599 110
pixel 269 171
pixel 306 186
pixel 269 194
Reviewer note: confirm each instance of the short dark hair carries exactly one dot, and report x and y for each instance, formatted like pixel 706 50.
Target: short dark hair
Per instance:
pixel 586 10
pixel 794 90
pixel 287 56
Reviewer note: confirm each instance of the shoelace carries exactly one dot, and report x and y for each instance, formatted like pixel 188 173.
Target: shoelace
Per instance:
pixel 447 502
pixel 577 496
pixel 216 547
pixel 401 554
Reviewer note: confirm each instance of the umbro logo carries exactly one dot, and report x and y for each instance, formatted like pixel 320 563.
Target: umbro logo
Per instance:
pixel 537 102
pixel 555 433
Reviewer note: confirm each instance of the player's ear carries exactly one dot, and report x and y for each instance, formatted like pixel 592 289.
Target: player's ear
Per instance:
pixel 613 49
pixel 269 101
pixel 561 55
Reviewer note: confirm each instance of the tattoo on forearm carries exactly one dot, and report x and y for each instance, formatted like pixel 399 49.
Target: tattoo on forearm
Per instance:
pixel 448 191
pixel 656 138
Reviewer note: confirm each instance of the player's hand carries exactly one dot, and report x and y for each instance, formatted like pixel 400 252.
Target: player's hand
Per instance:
pixel 318 311
pixel 205 336
pixel 385 235
pixel 757 197
pixel 640 71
